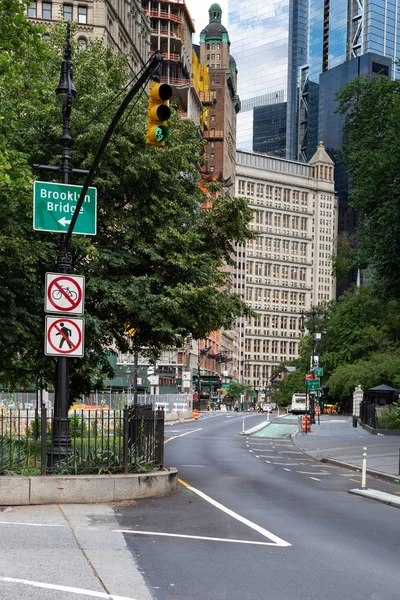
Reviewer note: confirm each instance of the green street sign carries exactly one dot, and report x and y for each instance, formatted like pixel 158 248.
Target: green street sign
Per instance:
pixel 313 384
pixel 54 205
pixel 319 372
pixel 226 386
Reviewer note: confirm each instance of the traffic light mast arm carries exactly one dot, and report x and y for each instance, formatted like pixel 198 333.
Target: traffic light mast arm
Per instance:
pixel 143 79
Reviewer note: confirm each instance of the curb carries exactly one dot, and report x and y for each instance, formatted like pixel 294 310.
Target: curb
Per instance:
pixel 382 497
pixel 85 489
pixel 340 463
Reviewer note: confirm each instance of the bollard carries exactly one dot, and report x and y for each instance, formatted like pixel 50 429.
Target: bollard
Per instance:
pixel 364 469
pixel 196 414
pixel 242 424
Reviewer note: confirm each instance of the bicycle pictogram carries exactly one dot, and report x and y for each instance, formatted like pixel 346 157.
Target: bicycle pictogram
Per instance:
pixel 65 290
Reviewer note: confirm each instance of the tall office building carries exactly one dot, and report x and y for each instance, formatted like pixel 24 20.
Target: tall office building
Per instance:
pixel 287 268
pixel 269 43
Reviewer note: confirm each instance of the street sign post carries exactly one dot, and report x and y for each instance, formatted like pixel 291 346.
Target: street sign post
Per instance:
pixel 64 293
pixel 64 336
pixel 54 205
pixel 313 384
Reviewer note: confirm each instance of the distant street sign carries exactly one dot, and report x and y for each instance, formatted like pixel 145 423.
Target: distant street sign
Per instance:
pixel 313 384
pixel 54 205
pixel 64 293
pixel 309 376
pixel 64 336
pixel 226 386
pixel 319 372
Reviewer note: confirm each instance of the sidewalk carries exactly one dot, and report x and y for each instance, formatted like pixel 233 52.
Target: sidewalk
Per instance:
pixel 336 441
pixel 336 438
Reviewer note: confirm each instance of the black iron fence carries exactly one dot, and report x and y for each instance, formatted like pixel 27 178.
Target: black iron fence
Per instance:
pixel 98 441
pixel 368 413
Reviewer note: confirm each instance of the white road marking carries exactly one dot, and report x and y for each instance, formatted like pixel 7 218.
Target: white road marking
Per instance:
pixel 286 469
pixel 187 433
pixel 197 466
pixel 289 452
pixel 311 473
pixel 29 524
pixel 250 450
pixel 64 588
pixel 281 464
pixel 349 474
pixel 315 479
pixel 268 461
pixel 194 537
pixel 264 532
pixel 262 450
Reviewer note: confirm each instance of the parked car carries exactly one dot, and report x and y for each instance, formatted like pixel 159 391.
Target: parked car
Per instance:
pixel 267 407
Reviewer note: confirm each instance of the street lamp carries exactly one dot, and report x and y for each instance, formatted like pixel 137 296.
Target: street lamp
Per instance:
pixel 313 314
pixel 66 92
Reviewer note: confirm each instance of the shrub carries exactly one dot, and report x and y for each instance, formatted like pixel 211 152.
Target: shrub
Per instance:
pixel 390 417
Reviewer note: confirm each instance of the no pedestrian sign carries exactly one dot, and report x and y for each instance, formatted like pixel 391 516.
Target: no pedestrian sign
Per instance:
pixel 64 336
pixel 64 293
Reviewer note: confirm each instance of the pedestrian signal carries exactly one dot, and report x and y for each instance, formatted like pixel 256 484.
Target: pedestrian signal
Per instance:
pixel 158 114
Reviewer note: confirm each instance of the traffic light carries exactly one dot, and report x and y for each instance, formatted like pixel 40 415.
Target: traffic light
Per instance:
pixel 158 114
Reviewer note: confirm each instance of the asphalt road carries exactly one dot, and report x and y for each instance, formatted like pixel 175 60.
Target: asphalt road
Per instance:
pixel 253 518
pixel 263 521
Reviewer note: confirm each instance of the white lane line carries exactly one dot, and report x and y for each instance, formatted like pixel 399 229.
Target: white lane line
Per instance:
pixel 29 524
pixel 193 537
pixel 315 479
pixel 268 456
pixel 64 588
pixel 311 473
pixel 286 469
pixel 268 461
pixel 292 464
pixel 264 532
pixel 182 434
pixel 262 450
pixel 289 452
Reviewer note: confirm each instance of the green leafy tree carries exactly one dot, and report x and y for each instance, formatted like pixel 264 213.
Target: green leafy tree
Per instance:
pixel 372 154
pixel 237 389
pixel 157 261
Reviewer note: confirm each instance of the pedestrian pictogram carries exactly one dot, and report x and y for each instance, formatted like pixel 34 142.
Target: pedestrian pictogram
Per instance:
pixel 64 336
pixel 64 293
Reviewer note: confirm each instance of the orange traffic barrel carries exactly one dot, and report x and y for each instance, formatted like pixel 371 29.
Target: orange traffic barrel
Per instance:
pixel 196 414
pixel 305 423
pixel 317 410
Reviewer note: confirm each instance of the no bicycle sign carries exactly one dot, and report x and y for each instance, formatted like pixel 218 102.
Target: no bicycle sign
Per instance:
pixel 64 293
pixel 64 336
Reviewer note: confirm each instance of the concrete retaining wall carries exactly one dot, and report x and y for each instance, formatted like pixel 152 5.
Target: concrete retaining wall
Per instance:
pixel 86 489
pixel 179 417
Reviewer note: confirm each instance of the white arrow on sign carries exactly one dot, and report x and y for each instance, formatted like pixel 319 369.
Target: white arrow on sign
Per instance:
pixel 64 221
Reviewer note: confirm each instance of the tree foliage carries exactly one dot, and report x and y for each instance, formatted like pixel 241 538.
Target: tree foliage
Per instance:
pixel 372 154
pixel 156 262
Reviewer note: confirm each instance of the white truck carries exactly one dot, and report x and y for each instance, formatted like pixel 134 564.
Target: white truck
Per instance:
pixel 299 405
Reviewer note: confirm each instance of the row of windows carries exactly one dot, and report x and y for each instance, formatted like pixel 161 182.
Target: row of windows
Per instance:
pixel 47 11
pixel 269 270
pixel 291 298
pixel 261 190
pixel 258 346
pixel 278 220
pixel 277 245
pixel 267 295
pixel 213 46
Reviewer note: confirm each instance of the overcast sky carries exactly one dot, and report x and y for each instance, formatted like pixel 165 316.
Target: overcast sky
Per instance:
pixel 199 12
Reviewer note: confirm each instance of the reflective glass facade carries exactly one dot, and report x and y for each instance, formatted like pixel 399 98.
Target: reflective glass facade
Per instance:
pixel 259 34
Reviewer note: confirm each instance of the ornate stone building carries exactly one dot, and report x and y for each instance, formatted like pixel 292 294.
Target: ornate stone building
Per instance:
pixel 121 23
pixel 287 268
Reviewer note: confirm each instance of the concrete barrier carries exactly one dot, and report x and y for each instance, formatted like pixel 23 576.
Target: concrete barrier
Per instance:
pixel 86 489
pixel 178 417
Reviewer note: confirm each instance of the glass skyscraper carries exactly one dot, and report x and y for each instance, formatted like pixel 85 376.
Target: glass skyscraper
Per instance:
pixel 283 46
pixel 261 40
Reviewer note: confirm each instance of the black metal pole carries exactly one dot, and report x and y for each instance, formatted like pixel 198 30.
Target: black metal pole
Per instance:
pixel 61 443
pixel 135 377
